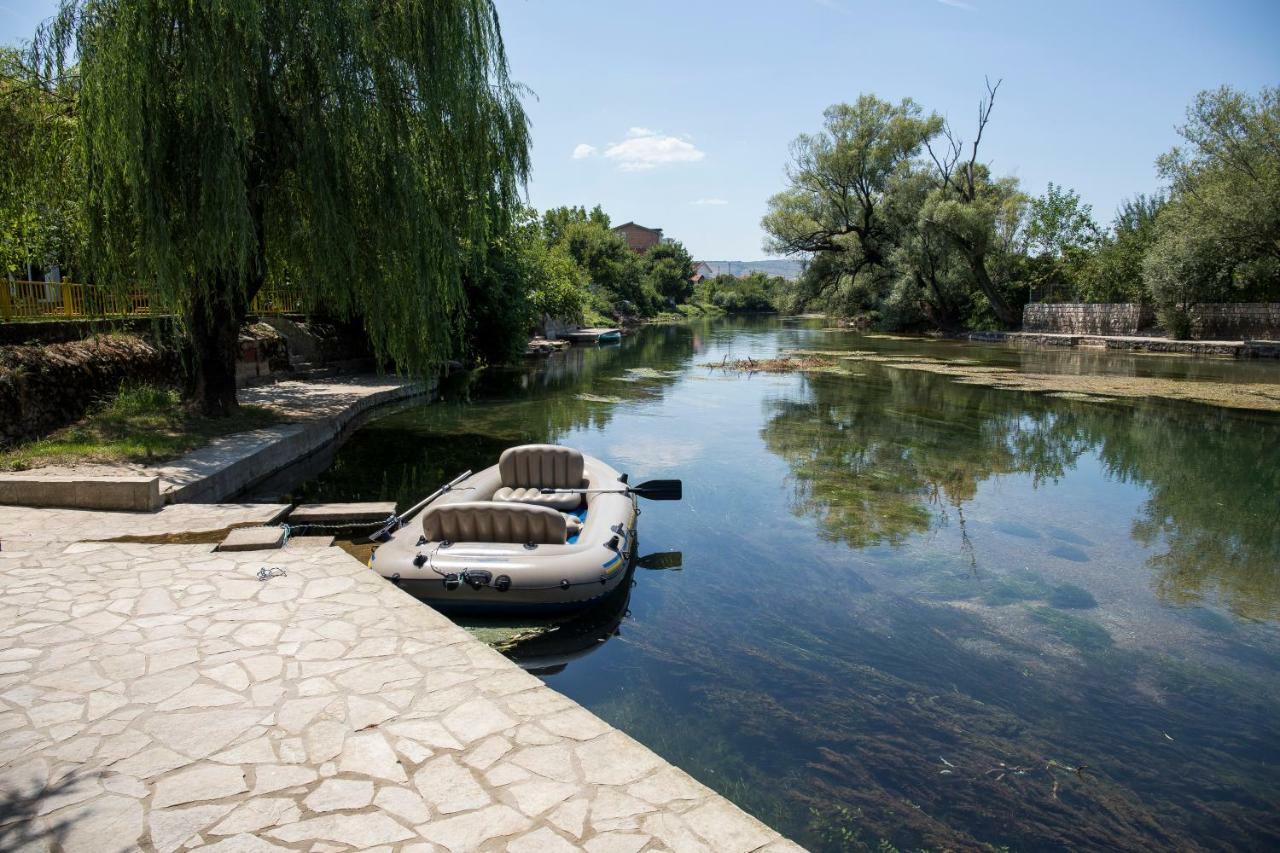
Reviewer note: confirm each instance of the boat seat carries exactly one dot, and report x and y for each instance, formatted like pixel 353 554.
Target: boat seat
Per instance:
pixel 534 497
pixel 485 521
pixel 528 469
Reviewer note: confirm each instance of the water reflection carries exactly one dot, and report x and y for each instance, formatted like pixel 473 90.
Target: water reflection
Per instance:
pixel 877 461
pixel 915 611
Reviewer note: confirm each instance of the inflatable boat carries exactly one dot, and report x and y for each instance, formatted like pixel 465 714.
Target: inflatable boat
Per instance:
pixel 545 530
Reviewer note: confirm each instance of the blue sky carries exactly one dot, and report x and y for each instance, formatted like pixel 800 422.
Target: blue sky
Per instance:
pixel 681 112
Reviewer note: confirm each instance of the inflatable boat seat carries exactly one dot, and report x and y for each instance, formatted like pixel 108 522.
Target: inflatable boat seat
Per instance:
pixel 485 521
pixel 527 469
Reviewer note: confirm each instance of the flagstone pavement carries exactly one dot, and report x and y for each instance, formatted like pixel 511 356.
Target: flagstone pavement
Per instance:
pixel 163 697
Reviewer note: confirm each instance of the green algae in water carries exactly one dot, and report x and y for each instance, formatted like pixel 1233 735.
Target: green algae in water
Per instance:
pixel 1068 596
pixel 1081 634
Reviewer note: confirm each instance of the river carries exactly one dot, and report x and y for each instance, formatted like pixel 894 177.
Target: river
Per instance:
pixel 912 609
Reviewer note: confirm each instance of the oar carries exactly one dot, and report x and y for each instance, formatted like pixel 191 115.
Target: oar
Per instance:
pixel 661 560
pixel 399 520
pixel 654 490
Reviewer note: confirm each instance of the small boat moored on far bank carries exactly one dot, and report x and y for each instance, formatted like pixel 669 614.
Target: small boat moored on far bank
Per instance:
pixel 593 335
pixel 547 529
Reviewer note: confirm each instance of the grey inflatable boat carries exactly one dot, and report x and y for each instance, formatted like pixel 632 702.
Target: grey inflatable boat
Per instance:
pixel 546 530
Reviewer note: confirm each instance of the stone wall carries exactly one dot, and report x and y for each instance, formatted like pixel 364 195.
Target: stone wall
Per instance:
pixel 1236 321
pixel 1218 321
pixel 1120 318
pixel 46 387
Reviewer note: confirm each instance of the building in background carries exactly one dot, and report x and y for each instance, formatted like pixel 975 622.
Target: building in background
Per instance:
pixel 639 239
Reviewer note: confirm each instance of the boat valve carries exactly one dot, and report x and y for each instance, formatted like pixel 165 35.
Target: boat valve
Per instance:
pixel 451 581
pixel 419 560
pixel 477 578
pixel 502 583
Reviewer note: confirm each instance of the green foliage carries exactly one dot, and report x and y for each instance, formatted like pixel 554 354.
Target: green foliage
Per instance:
pixel 613 271
pixel 903 240
pixel 556 221
pixel 1219 237
pixel 369 150
pixel 835 205
pixel 1060 235
pixel 755 292
pixel 669 268
pixel 1113 273
pixel 41 173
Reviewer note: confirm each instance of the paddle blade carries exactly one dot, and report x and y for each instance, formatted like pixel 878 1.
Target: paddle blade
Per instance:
pixel 660 490
pixel 661 560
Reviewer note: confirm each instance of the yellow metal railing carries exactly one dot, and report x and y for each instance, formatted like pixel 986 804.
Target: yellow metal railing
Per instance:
pixel 46 300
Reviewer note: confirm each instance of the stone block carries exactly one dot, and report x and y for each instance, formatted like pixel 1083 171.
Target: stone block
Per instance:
pixel 253 539
pixel 310 541
pixel 342 513
pixel 123 494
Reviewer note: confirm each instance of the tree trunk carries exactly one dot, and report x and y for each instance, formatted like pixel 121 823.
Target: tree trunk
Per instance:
pixel 1004 313
pixel 213 324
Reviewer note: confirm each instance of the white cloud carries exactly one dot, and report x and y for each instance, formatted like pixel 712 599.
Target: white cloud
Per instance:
pixel 957 4
pixel 582 150
pixel 709 201
pixel 648 149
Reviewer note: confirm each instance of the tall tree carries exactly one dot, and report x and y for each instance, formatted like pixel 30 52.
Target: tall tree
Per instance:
pixel 1219 237
pixel 364 150
pixel 971 208
pixel 669 267
pixel 835 205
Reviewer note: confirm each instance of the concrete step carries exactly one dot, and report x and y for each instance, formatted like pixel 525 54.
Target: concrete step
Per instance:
pixel 253 539
pixel 342 513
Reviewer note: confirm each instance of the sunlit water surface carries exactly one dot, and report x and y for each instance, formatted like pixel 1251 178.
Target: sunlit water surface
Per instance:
pixel 911 610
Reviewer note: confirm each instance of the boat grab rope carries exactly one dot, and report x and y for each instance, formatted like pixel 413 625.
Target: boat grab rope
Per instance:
pixel 291 530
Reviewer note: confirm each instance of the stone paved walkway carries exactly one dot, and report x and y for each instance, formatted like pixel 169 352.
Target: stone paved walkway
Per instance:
pixel 163 697
pixel 22 526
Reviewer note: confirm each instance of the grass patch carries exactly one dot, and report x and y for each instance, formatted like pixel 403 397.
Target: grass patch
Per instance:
pixel 141 423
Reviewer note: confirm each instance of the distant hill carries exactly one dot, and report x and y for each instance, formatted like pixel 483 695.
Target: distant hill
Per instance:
pixel 786 268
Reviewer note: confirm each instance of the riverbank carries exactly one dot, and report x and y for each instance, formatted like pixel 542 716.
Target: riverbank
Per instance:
pixel 313 415
pixel 166 697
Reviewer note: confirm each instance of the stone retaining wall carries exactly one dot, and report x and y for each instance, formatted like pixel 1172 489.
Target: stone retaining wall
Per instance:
pixel 1237 321
pixel 1120 318
pixel 46 387
pixel 1216 321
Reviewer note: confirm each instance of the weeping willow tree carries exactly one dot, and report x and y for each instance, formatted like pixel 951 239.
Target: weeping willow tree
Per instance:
pixel 364 150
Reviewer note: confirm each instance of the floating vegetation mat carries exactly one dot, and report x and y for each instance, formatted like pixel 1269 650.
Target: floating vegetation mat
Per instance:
pixel 645 374
pixel 1257 396
pixel 597 398
pixel 807 362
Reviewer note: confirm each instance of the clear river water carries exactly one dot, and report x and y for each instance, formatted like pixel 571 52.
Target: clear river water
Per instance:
pixel 912 611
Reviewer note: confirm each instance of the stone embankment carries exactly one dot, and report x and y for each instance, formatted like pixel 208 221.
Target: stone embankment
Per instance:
pixel 1216 321
pixel 43 387
pixel 1135 343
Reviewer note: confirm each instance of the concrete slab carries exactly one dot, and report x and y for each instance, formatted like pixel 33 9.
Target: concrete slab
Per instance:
pixel 338 513
pixel 309 542
pixel 253 539
pixel 40 488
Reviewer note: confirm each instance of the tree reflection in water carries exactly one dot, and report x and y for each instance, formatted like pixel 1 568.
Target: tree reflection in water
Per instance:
pixel 875 462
